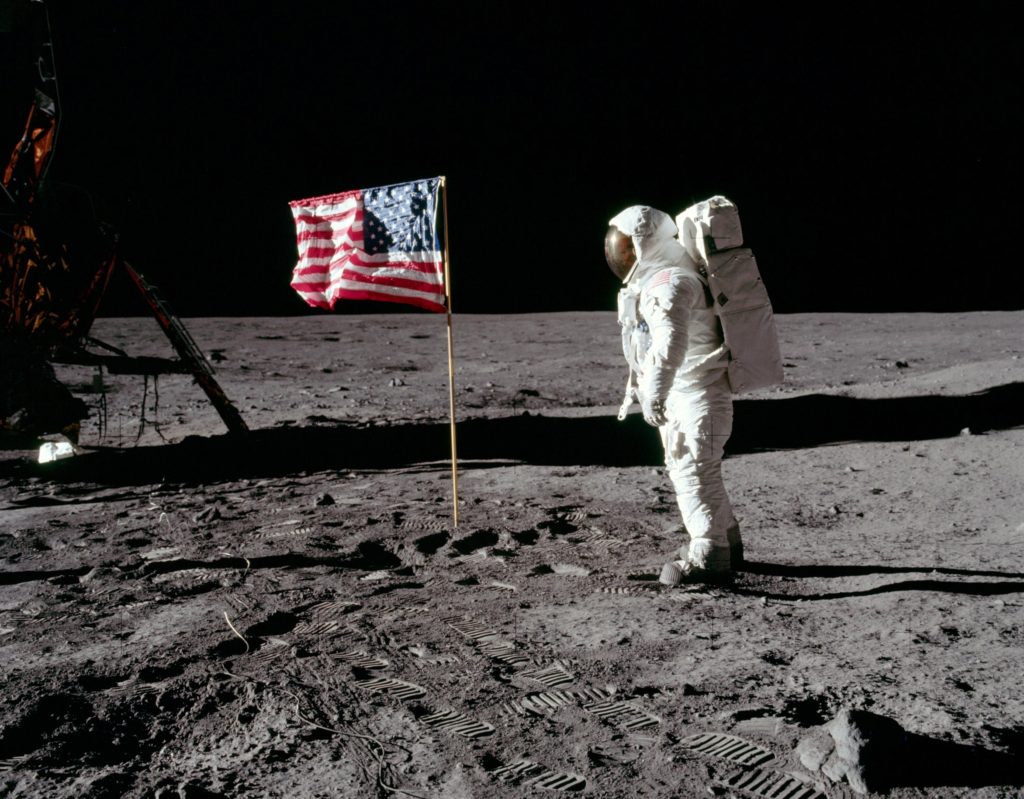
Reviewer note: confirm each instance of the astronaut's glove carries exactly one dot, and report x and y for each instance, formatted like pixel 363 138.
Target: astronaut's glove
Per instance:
pixel 654 411
pixel 627 403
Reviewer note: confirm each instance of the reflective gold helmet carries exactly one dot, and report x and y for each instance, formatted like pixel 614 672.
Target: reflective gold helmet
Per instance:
pixel 619 252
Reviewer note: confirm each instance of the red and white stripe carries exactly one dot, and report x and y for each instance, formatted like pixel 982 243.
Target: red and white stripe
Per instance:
pixel 659 279
pixel 333 265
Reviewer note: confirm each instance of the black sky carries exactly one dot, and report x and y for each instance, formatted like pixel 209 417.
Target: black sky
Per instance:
pixel 872 149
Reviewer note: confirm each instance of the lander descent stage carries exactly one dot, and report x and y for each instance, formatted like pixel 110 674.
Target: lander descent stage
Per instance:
pixel 56 262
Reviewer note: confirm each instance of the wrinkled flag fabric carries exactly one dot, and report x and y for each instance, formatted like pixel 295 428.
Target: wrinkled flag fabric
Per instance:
pixel 370 244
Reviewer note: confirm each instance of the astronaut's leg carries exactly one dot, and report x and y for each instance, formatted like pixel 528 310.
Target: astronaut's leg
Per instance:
pixel 700 422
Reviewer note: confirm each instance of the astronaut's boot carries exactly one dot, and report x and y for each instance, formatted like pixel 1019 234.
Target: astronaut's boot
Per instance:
pixel 703 562
pixel 714 557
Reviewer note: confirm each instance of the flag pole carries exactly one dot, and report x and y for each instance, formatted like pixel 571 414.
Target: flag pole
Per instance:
pixel 451 360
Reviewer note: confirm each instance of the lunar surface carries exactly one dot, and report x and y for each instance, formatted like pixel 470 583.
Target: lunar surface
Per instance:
pixel 294 613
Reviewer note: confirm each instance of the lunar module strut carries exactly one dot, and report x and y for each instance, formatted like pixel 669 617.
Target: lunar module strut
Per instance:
pixel 57 257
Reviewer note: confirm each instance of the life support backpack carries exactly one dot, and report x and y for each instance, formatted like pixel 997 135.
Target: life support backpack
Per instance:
pixel 711 233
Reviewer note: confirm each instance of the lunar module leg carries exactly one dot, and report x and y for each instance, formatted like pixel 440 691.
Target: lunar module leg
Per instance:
pixel 189 353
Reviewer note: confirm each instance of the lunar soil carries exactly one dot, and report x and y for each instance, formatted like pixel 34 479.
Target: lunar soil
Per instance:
pixel 294 613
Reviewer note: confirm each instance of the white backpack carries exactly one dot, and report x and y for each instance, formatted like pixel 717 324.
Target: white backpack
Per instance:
pixel 711 233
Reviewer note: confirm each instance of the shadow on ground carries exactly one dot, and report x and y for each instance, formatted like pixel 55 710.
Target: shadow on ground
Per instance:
pixel 918 761
pixel 935 586
pixel 851 570
pixel 1007 582
pixel 760 425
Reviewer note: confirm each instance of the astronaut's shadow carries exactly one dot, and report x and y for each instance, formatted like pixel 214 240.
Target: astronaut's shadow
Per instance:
pixel 857 570
pixel 1006 582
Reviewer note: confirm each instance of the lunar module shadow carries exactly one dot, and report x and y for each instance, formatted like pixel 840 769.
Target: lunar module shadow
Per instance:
pixel 760 425
pixel 821 419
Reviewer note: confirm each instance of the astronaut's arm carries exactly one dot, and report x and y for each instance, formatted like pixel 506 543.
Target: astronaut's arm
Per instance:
pixel 630 396
pixel 667 310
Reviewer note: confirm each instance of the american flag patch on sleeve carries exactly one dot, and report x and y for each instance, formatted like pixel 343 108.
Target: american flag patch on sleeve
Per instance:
pixel 660 279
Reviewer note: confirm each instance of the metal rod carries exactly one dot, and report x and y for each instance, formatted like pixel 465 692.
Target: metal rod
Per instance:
pixel 451 360
pixel 189 353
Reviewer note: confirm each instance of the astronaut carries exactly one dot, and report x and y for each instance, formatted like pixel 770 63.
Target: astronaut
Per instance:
pixel 678 360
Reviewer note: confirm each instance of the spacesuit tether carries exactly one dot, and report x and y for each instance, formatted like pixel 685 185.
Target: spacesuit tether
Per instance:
pixel 678 360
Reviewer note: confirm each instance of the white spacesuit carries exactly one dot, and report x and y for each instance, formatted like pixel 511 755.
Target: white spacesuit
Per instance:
pixel 673 343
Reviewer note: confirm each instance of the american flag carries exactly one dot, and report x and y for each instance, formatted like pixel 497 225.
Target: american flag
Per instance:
pixel 370 244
